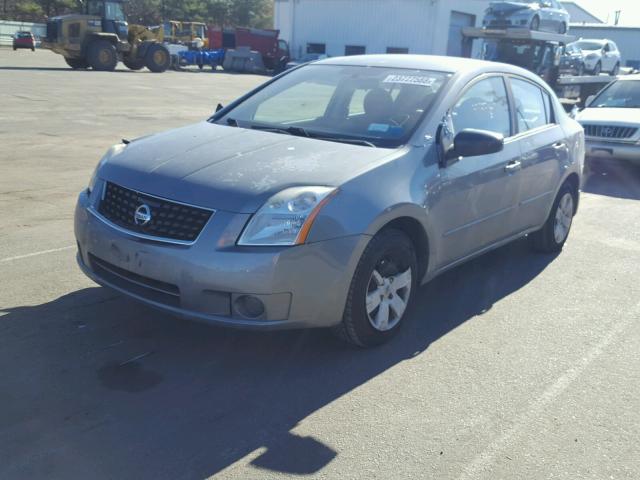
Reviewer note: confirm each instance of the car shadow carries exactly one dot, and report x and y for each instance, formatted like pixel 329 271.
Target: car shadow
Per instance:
pixel 96 379
pixel 614 178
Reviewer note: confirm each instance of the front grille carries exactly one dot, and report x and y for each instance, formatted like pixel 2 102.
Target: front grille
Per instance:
pixel 168 219
pixel 149 288
pixel 609 131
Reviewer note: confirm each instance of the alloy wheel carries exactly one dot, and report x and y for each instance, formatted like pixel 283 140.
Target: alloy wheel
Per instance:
pixel 387 295
pixel 564 217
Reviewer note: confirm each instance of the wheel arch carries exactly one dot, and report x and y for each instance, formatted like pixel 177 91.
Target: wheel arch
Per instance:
pixel 405 219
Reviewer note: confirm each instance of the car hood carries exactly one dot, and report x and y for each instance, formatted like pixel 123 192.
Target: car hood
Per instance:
pixel 234 169
pixel 507 7
pixel 610 116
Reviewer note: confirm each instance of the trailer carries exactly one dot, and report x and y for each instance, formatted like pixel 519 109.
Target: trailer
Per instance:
pixel 538 52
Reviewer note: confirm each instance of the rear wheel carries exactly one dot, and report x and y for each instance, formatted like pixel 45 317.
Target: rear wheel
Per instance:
pixel 563 28
pixel 102 56
pixel 380 291
pixel 76 63
pixel 133 63
pixel 552 236
pixel 535 23
pixel 157 58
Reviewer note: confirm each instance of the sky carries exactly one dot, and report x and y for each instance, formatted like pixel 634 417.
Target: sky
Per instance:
pixel 603 8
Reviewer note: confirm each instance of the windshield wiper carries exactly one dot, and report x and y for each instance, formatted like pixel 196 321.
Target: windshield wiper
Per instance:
pixel 354 141
pixel 296 131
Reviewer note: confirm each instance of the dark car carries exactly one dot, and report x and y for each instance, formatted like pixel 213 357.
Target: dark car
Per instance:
pixel 24 40
pixel 572 60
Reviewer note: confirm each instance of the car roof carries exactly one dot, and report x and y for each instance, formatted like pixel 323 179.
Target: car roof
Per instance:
pixel 424 62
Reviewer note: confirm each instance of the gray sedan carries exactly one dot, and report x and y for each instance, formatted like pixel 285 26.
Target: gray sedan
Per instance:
pixel 326 196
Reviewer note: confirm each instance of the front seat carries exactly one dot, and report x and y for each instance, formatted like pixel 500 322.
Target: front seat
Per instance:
pixel 378 106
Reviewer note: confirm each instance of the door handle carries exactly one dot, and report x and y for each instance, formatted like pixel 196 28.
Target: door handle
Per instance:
pixel 513 166
pixel 559 145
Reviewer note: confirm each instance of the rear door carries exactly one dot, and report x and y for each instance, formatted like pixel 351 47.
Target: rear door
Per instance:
pixel 543 151
pixel 477 196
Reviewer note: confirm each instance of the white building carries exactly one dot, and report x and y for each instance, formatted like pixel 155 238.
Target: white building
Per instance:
pixel 346 27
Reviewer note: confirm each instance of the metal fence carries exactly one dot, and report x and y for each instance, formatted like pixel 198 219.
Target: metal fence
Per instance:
pixel 9 28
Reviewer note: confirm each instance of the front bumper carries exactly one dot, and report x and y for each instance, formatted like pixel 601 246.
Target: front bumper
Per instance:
pixel 603 149
pixel 301 286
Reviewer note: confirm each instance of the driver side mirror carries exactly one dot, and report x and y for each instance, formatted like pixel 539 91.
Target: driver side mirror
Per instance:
pixel 471 143
pixel 219 107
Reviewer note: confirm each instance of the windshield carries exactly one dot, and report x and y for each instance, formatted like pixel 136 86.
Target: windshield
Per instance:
pixel 369 105
pixel 108 10
pixel 621 94
pixel 590 45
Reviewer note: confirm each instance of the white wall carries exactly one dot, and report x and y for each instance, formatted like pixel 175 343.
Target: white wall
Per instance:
pixel 420 25
pixel 8 29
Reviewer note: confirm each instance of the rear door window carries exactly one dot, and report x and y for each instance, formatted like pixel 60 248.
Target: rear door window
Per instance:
pixel 532 105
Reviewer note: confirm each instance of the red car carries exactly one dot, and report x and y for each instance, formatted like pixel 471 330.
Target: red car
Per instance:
pixel 24 40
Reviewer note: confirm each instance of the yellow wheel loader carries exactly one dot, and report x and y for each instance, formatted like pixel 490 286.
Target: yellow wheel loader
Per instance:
pixel 100 37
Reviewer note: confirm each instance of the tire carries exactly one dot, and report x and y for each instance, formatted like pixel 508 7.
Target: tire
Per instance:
pixel 563 28
pixel 77 63
pixel 15 48
pixel 390 257
pixel 102 56
pixel 33 49
pixel 597 69
pixel 580 72
pixel 157 58
pixel 133 63
pixel 535 23
pixel 616 70
pixel 553 235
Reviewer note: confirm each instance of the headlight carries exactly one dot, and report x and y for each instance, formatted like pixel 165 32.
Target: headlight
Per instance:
pixel 114 150
pixel 286 218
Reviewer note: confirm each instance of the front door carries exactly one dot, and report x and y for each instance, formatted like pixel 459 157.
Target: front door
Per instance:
pixel 475 205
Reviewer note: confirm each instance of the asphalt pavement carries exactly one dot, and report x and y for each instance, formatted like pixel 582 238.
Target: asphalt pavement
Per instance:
pixel 512 366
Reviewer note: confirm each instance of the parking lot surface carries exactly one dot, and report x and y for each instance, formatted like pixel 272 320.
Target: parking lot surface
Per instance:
pixel 514 365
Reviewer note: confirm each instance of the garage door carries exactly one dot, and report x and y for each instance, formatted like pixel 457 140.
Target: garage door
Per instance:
pixel 459 46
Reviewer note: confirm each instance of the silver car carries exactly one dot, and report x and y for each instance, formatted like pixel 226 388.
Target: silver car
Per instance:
pixel 543 15
pixel 326 196
pixel 600 56
pixel 611 121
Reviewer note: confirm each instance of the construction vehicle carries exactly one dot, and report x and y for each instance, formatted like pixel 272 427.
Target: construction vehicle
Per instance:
pixel 540 53
pixel 191 34
pixel 100 37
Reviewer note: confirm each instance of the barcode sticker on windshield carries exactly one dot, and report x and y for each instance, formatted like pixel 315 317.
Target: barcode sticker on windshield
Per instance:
pixel 410 80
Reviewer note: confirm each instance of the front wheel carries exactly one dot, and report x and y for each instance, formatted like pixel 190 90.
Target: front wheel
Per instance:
pixel 563 28
pixel 535 23
pixel 616 70
pixel 157 58
pixel 597 69
pixel 553 235
pixel 381 290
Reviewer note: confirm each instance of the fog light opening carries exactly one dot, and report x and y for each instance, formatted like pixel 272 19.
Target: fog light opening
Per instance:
pixel 249 306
